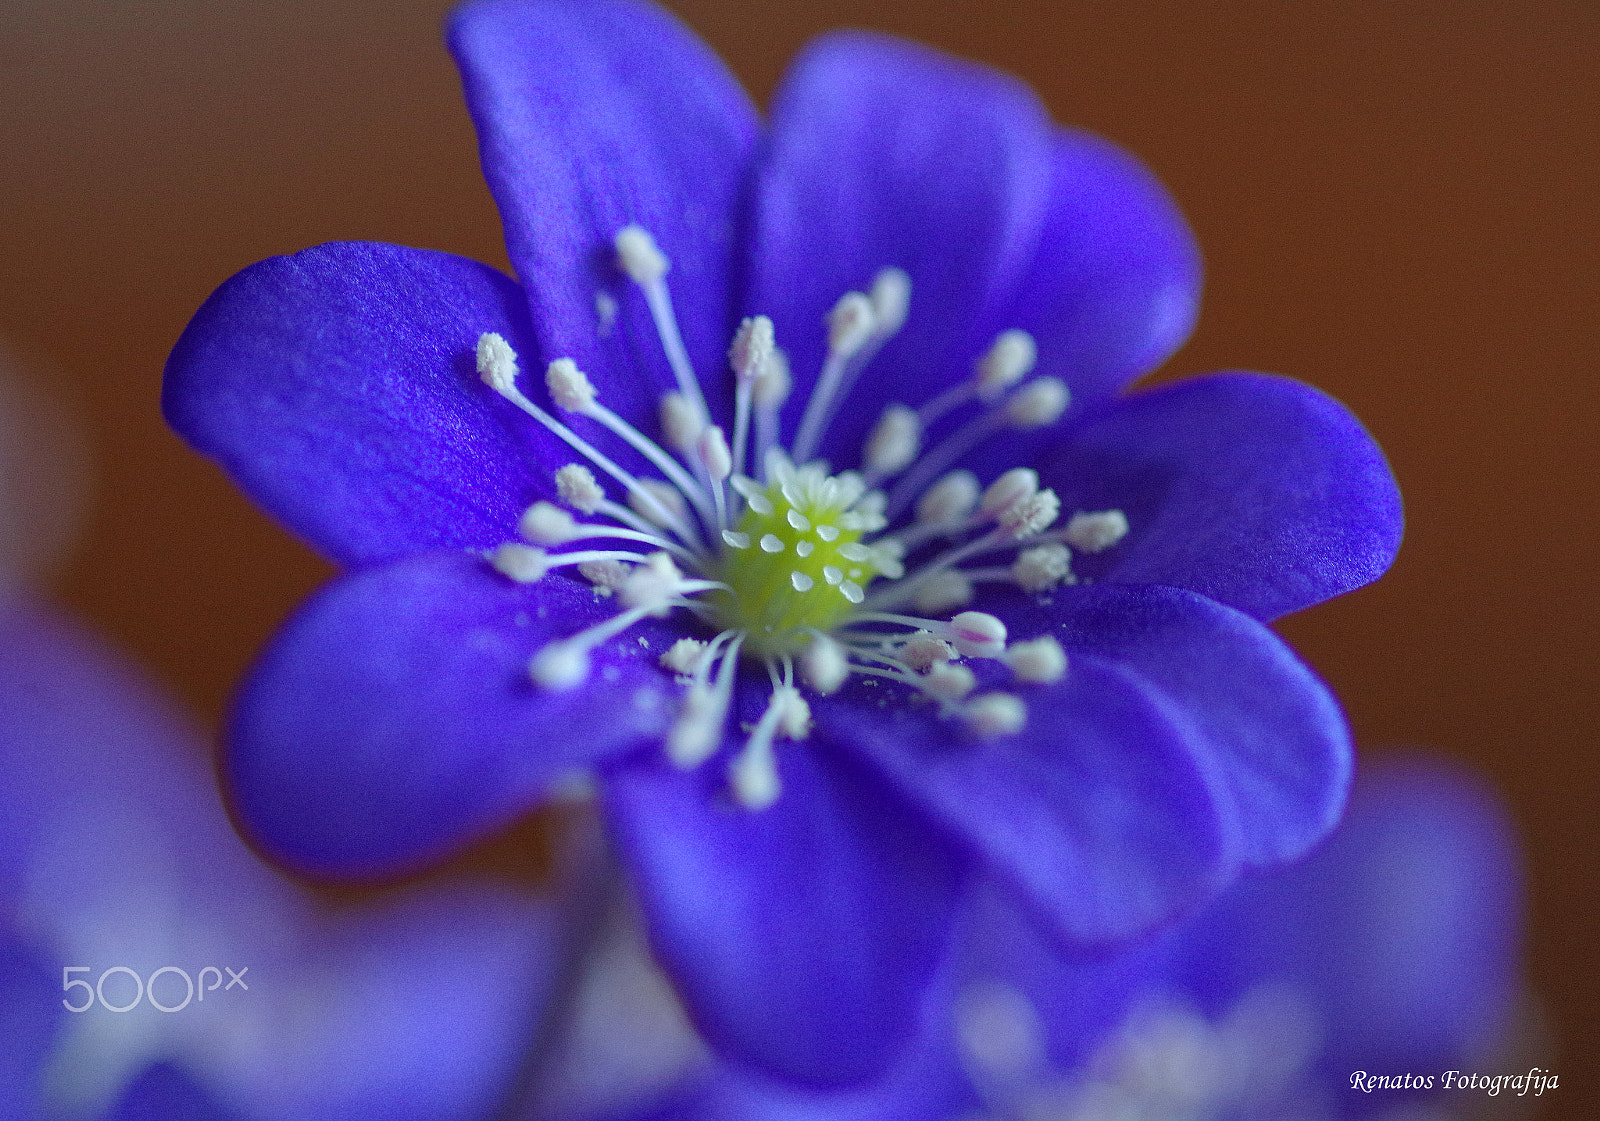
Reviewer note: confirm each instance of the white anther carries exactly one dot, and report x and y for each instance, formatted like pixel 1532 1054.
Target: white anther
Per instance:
pixel 1092 533
pixel 823 665
pixel 1043 567
pixel 833 574
pixel 694 735
pixel 948 681
pixel 665 495
pixel 605 313
pixel 652 585
pixel 559 665
pixel 925 649
pixel 852 591
pixel 850 324
pixel 995 714
pixel 753 774
pixel 606 575
pixel 752 349
pixel 1009 359
pixel 1039 661
pixel 977 634
pixel 895 441
pixel 797 520
pixel 569 386
pixel 735 539
pixel 576 486
pixel 828 532
pixel 884 557
pixel 773 384
pixel 891 299
pixel 804 549
pixel 953 497
pixel 771 543
pixel 942 591
pixel 497 362
pixel 522 563
pixel 1031 515
pixel 684 655
pixel 795 723
pixel 639 256
pixel 1040 402
pixel 801 582
pixel 545 523
pixel 680 422
pixel 1009 489
pixel 715 455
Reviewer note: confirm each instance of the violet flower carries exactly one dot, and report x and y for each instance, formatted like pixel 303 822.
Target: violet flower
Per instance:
pixel 1391 951
pixel 813 700
pixel 209 987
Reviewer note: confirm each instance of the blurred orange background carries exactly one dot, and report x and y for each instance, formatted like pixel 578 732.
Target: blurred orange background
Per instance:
pixel 1396 203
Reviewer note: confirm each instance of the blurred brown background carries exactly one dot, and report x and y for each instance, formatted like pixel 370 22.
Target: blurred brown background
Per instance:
pixel 1396 203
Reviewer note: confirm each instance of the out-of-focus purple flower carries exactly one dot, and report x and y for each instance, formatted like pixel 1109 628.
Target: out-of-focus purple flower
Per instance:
pixel 956 291
pixel 123 886
pixel 1391 951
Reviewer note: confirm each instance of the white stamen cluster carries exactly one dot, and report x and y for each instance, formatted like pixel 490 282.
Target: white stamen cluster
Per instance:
pixel 784 563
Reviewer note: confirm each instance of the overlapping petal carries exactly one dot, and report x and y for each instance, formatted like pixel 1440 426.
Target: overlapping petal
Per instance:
pixel 887 154
pixel 1099 811
pixel 1258 492
pixel 338 387
pixel 1268 731
pixel 592 116
pixel 802 935
pixel 393 719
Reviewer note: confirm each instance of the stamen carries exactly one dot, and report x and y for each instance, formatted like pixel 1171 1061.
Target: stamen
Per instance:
pixel 1031 515
pixel 639 256
pixel 527 563
pixel 653 495
pixel 576 486
pixel 606 575
pixel 684 655
pixel 753 773
pixel 995 714
pixel 1009 359
pixel 605 313
pixel 1039 661
pixel 850 326
pixel 653 585
pixel 977 634
pixel 1093 533
pixel 714 456
pixel 1037 404
pixel 823 665
pixel 497 365
pixel 769 393
pixel 1014 486
pixel 943 591
pixel 951 499
pixel 947 681
pixel 1043 567
pixel 572 390
pixel 680 424
pixel 924 650
pixel 697 731
pixel 893 444
pixel 564 664
pixel 891 299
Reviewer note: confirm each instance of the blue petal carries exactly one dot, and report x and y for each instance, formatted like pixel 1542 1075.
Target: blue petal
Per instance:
pixel 888 154
pixel 1259 492
pixel 1270 734
pixel 1402 930
pixel 591 115
pixel 338 387
pixel 801 936
pixel 1097 811
pixel 392 720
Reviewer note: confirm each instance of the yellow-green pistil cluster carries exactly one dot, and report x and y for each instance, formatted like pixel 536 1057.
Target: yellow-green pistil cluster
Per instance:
pixel 794 566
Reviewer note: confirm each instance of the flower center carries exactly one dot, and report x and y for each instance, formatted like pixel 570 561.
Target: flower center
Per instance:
pixel 789 565
pixel 795 565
